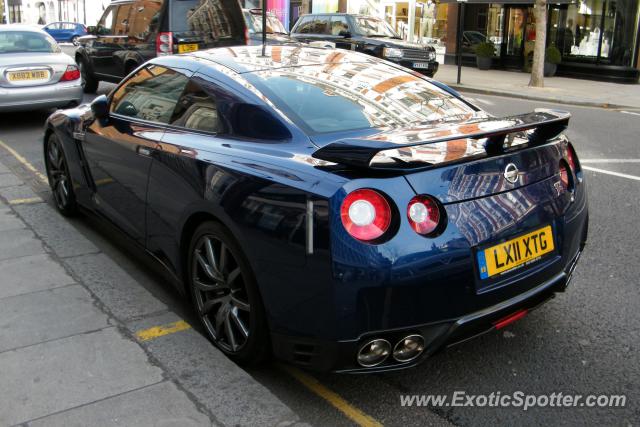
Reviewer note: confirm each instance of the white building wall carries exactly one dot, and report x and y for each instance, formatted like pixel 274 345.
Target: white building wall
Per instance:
pixel 46 11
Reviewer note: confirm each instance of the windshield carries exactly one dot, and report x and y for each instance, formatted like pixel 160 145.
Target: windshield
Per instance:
pixel 26 41
pixel 355 96
pixel 254 22
pixel 374 27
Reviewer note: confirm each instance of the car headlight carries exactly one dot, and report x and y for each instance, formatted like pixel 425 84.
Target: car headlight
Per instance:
pixel 392 52
pixel 432 56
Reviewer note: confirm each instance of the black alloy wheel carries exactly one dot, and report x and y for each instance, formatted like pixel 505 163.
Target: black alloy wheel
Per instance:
pixel 87 80
pixel 225 295
pixel 59 178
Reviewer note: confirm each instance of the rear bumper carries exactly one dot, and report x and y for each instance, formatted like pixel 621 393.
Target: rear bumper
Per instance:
pixel 339 356
pixel 37 97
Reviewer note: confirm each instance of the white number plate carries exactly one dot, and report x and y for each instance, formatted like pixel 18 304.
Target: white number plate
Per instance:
pixel 420 65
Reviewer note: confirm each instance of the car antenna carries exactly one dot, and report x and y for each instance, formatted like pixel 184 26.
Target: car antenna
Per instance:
pixel 264 27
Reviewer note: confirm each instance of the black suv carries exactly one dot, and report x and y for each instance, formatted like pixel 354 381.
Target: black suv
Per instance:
pixel 131 32
pixel 365 34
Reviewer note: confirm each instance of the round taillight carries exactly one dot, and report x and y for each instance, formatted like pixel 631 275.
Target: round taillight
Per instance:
pixel 564 176
pixel 424 214
pixel 365 214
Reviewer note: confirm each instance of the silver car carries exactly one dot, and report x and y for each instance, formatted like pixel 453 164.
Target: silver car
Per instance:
pixel 34 73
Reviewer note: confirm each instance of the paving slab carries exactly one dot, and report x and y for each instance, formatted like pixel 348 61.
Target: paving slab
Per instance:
pixel 56 231
pixel 228 392
pixel 19 243
pixel 4 169
pixel 157 405
pixel 46 315
pixel 9 180
pixel 58 375
pixel 117 290
pixel 31 273
pixel 9 220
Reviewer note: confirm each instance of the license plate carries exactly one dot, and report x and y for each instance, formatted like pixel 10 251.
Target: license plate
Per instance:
pixel 420 65
pixel 184 48
pixel 19 76
pixel 515 253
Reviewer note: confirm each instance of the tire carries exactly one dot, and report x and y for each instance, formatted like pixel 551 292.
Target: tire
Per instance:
pixel 59 178
pixel 89 81
pixel 225 295
pixel 74 40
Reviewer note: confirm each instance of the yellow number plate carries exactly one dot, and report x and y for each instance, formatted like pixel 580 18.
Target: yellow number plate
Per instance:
pixel 183 48
pixel 17 76
pixel 515 253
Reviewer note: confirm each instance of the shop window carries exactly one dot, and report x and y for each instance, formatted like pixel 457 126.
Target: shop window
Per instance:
pixel 619 31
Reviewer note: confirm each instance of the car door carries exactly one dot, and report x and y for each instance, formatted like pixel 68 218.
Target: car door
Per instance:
pixel 108 49
pixel 119 150
pixel 66 31
pixel 341 33
pixel 53 30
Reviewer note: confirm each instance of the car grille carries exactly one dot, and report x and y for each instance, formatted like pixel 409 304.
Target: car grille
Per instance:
pixel 416 54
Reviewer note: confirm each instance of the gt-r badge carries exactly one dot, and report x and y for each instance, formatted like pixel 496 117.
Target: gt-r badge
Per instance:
pixel 511 173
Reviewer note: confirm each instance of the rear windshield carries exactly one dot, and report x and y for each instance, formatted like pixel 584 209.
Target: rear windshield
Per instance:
pixel 26 41
pixel 357 96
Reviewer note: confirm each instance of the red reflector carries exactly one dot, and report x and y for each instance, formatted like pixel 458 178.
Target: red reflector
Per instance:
pixel 506 321
pixel 564 176
pixel 72 73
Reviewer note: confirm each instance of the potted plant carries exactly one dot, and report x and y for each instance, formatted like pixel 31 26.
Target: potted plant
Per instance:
pixel 484 55
pixel 552 58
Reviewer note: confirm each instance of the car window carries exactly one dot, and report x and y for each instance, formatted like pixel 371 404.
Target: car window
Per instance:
pixel 105 26
pixel 53 27
pixel 68 26
pixel 372 27
pixel 321 25
pixel 218 19
pixel 27 41
pixel 339 24
pixel 196 110
pixel 361 96
pixel 121 24
pixel 150 94
pixel 304 26
pixel 145 19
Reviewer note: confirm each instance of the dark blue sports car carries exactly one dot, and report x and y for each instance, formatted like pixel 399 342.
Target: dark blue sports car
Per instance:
pixel 333 209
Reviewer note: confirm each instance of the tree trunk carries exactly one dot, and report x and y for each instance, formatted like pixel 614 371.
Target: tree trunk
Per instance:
pixel 537 69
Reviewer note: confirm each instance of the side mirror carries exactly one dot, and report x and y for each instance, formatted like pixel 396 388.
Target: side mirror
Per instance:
pixel 92 29
pixel 344 33
pixel 100 107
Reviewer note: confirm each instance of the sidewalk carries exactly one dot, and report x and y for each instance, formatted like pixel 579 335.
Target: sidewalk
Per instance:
pixel 69 353
pixel 557 89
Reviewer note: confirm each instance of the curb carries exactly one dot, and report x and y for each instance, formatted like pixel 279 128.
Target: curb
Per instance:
pixel 483 91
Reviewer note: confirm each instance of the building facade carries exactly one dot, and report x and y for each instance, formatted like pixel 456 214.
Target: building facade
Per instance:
pixel 42 12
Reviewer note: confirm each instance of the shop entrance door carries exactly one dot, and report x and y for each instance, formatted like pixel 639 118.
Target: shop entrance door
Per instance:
pixel 514 43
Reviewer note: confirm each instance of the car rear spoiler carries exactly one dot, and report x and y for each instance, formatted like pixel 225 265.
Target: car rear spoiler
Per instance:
pixel 536 127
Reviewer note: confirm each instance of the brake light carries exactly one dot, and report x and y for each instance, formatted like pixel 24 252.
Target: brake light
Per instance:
pixel 365 214
pixel 424 215
pixel 164 43
pixel 72 73
pixel 564 176
pixel 572 158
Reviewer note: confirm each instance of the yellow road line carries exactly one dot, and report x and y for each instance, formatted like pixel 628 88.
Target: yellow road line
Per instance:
pixel 24 162
pixel 26 201
pixel 158 331
pixel 351 412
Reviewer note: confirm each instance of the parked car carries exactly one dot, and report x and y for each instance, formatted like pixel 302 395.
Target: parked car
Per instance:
pixel 66 31
pixel 339 211
pixel 132 31
pixel 34 72
pixel 276 33
pixel 367 34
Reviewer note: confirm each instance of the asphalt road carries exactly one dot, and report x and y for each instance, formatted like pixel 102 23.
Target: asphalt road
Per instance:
pixel 583 342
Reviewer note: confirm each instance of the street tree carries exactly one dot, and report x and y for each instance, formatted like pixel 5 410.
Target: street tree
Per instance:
pixel 537 69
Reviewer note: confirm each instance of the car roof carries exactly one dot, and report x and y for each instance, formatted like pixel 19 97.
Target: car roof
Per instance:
pixel 243 59
pixel 21 27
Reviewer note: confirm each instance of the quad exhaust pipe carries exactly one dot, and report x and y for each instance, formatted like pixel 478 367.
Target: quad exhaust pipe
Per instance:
pixel 377 351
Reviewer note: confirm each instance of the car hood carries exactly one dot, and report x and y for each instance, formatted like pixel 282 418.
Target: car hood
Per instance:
pixel 36 58
pixel 397 43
